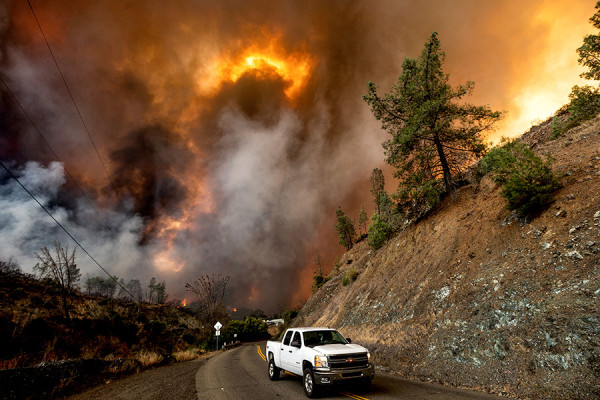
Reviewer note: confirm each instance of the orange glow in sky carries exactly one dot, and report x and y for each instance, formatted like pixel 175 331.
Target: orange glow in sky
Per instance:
pixel 294 68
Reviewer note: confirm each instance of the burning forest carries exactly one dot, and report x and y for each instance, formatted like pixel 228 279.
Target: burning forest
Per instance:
pixel 185 139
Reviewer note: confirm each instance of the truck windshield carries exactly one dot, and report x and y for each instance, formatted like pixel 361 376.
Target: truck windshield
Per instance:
pixel 318 338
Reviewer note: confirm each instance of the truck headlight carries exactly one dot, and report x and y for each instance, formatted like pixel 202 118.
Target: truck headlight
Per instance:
pixel 321 362
pixel 369 357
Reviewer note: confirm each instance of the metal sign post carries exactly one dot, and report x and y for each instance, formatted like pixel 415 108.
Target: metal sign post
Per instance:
pixel 218 327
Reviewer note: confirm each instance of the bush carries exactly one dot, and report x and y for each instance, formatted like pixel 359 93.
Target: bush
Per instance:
pixel 187 355
pixel 584 105
pixel 149 358
pixel 349 277
pixel 319 280
pixel 250 329
pixel 379 231
pixel 528 181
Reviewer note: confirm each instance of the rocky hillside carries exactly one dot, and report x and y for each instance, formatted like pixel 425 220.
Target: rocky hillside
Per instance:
pixel 473 297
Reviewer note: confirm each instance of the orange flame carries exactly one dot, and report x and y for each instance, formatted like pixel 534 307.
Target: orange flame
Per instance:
pixel 293 67
pixel 184 302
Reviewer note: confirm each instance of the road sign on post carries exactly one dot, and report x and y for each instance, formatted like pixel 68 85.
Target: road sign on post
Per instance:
pixel 218 327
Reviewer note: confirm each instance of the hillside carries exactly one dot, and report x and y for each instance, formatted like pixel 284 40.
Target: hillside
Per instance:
pixel 45 355
pixel 473 297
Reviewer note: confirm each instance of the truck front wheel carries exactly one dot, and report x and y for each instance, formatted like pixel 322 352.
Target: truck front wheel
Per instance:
pixel 273 370
pixel 310 388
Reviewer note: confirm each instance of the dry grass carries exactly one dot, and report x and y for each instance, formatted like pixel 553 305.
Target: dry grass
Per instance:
pixel 148 358
pixel 123 367
pixel 187 355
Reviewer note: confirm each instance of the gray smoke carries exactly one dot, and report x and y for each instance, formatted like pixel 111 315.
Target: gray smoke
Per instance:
pixel 226 175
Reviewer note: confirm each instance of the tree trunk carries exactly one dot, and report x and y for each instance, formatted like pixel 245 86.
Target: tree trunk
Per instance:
pixel 444 162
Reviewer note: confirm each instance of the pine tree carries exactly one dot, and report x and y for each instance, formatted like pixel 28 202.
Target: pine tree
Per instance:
pixel 152 291
pixel 377 187
pixel 434 134
pixel 589 52
pixel 362 219
pixel 345 229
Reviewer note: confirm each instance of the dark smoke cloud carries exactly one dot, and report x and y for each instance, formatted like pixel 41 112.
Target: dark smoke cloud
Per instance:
pixel 234 176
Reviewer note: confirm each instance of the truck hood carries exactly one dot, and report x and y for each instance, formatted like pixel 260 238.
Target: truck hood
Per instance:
pixel 334 349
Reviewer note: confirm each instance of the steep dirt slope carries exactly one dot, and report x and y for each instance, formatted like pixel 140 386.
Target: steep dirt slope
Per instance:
pixel 473 297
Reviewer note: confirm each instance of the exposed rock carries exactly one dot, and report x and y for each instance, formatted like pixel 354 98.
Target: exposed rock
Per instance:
pixel 522 317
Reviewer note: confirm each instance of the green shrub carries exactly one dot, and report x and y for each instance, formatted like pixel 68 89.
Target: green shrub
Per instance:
pixel 349 277
pixel 528 182
pixel 250 329
pixel 584 105
pixel 379 231
pixel 319 280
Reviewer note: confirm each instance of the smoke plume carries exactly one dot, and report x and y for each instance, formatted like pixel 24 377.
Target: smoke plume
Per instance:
pixel 232 131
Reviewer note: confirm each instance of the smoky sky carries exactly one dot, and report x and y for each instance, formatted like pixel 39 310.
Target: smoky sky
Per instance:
pixel 236 171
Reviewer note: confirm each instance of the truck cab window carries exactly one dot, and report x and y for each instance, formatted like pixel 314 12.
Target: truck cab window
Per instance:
pixel 296 337
pixel 287 338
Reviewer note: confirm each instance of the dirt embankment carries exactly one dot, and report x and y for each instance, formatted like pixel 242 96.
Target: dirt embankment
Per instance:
pixel 473 297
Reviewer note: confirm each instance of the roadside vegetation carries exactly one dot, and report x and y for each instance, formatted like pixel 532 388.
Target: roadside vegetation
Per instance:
pixel 584 101
pixel 436 145
pixel 527 180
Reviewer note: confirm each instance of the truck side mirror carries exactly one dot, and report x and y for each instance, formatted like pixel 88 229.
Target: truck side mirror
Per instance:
pixel 349 340
pixel 295 343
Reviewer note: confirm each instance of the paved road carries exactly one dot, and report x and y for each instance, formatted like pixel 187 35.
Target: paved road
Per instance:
pixel 242 374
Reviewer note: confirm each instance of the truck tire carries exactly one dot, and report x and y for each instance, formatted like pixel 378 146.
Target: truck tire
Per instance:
pixel 308 381
pixel 273 370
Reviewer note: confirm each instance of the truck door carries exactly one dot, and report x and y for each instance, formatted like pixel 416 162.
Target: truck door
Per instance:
pixel 291 355
pixel 285 344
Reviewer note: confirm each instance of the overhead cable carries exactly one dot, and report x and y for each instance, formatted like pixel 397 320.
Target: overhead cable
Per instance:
pixel 65 229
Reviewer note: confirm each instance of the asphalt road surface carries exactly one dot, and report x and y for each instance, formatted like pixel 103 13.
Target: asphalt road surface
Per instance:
pixel 241 373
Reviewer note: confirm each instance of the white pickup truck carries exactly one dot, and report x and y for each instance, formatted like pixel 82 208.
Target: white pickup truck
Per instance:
pixel 322 356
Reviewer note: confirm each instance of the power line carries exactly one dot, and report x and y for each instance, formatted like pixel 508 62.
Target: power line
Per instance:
pixel 81 118
pixel 79 113
pixel 12 95
pixel 65 229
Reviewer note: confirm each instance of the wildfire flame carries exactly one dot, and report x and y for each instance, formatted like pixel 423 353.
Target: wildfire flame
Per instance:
pixel 184 302
pixel 294 67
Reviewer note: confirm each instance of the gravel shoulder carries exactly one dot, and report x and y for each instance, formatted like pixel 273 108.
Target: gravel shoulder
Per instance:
pixel 172 382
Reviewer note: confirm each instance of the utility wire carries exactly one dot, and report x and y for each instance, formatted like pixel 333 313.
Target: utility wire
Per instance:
pixel 80 115
pixel 12 95
pixel 79 112
pixel 65 229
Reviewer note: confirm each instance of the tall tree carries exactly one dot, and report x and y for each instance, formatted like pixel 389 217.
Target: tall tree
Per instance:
pixel 135 288
pixel 152 290
pixel 435 135
pixel 209 291
pixel 377 187
pixel 385 206
pixel 362 219
pixel 161 292
pixel 345 229
pixel 318 262
pixel 589 52
pixel 61 269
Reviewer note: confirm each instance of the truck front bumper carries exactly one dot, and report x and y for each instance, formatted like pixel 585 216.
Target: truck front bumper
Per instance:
pixel 327 377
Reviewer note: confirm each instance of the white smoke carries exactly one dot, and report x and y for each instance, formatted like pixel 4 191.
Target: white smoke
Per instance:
pixel 25 227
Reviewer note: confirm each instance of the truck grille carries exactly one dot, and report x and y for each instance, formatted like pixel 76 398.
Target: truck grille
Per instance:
pixel 348 361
